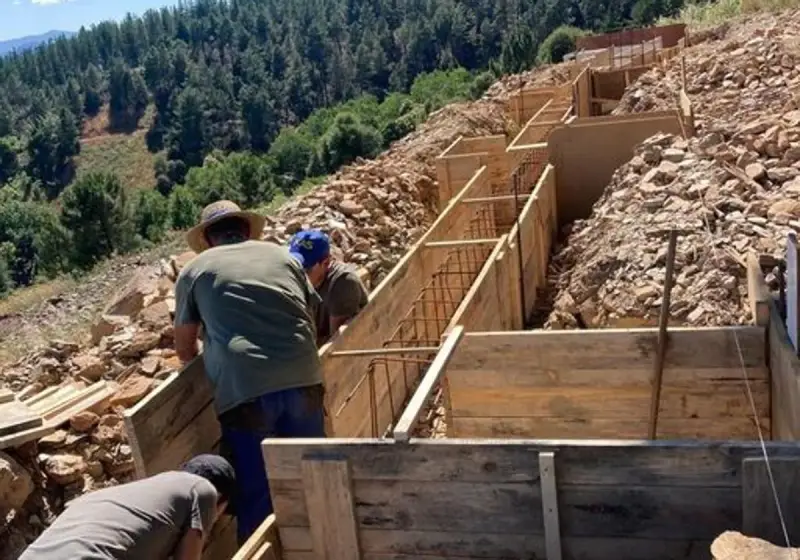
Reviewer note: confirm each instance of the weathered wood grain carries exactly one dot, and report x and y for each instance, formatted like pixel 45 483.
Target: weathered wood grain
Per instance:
pixel 578 428
pixel 760 517
pixel 427 544
pixel 173 422
pixel 579 462
pixel 785 367
pixel 15 417
pixel 328 490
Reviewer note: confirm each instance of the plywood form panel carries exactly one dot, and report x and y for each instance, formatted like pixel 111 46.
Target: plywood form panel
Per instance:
pixel 586 156
pixel 615 499
pixel 593 380
pixel 174 422
pixel 785 378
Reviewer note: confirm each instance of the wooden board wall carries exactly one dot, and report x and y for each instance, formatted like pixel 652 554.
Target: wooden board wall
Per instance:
pixel 586 154
pixel 785 376
pixel 483 500
pixel 597 384
pixel 348 393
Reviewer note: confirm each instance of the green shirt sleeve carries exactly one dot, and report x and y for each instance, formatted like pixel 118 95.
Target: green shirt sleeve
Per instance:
pixel 186 312
pixel 204 504
pixel 346 296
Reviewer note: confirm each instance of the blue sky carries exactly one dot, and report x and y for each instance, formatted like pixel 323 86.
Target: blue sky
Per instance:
pixel 19 18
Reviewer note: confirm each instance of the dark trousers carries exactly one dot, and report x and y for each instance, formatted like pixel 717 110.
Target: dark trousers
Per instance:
pixel 293 413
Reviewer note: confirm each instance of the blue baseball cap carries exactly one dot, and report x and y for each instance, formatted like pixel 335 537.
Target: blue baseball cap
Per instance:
pixel 310 247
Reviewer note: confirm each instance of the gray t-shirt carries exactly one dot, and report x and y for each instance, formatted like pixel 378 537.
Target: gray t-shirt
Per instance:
pixel 140 520
pixel 254 301
pixel 343 295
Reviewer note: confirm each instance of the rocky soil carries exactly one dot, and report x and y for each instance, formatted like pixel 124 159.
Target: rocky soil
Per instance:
pixel 734 188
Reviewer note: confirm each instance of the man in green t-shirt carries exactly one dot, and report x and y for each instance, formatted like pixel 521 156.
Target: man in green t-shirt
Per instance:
pixel 342 293
pixel 254 302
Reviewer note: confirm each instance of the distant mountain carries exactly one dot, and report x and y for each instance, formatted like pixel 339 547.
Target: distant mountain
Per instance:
pixel 31 41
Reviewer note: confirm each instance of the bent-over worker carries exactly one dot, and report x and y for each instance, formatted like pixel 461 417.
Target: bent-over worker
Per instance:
pixel 338 285
pixel 162 516
pixel 254 302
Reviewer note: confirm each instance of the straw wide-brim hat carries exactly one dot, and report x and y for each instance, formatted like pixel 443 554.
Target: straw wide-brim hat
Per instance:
pixel 221 210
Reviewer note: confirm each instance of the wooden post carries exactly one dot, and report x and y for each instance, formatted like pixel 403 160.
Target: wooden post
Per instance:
pixel 552 529
pixel 662 334
pixel 328 487
pixel 757 291
pixel 792 288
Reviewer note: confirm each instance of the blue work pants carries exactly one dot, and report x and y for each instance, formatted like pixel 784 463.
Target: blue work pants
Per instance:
pixel 293 413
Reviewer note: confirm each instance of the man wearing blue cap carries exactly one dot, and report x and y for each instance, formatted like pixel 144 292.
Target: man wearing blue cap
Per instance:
pixel 342 293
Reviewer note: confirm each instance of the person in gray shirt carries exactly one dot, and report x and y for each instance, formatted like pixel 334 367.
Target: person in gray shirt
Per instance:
pixel 168 515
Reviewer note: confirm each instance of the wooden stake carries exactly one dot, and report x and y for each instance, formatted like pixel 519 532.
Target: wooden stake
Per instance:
pixel 662 333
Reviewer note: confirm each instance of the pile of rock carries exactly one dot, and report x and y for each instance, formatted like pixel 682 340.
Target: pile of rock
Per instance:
pixel 751 68
pixel 131 349
pixel 375 210
pixel 725 194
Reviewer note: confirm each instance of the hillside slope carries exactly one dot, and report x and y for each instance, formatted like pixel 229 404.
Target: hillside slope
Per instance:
pixel 732 189
pixel 31 41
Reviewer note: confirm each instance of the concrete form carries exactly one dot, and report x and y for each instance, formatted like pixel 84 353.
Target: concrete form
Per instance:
pixel 448 319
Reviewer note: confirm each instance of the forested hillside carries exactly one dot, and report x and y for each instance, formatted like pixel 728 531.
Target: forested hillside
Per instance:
pixel 238 90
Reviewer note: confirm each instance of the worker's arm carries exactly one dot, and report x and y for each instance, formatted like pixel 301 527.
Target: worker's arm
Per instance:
pixel 191 546
pixel 347 297
pixel 187 318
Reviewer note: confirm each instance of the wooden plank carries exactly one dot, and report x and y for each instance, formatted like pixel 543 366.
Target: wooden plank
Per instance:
pixel 760 517
pixel 426 544
pixel 610 349
pixel 531 375
pixel 16 417
pixel 581 462
pixel 329 499
pixel 266 534
pixel 785 368
pixel 410 416
pixel 659 512
pixel 581 428
pixel 89 398
pixel 722 401
pixel 175 419
pixel 552 531
pixel 503 508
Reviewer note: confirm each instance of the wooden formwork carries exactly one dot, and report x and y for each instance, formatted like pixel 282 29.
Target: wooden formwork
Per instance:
pixel 576 495
pixel 597 384
pixel 527 102
pixel 457 164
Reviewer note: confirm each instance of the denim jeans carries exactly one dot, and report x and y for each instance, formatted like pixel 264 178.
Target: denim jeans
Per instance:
pixel 293 413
